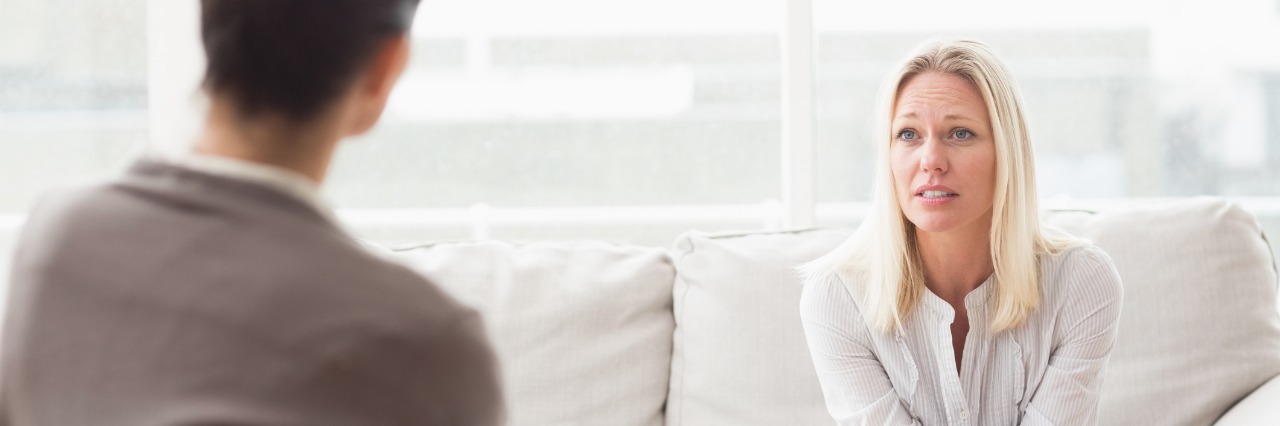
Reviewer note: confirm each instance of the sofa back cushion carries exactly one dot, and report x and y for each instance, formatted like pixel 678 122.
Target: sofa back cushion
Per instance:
pixel 1198 328
pixel 740 354
pixel 582 329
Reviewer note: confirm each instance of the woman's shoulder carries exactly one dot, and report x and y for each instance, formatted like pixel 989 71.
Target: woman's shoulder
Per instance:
pixel 1083 271
pixel 830 307
pixel 1081 251
pixel 837 288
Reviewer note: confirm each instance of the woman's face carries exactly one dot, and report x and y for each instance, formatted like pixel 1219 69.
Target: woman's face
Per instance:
pixel 943 154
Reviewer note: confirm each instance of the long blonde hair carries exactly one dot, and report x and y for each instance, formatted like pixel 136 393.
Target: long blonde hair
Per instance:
pixel 883 252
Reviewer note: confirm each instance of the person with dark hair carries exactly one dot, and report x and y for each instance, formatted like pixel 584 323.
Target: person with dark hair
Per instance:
pixel 216 288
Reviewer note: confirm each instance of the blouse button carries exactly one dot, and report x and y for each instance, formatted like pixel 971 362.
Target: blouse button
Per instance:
pixel 964 414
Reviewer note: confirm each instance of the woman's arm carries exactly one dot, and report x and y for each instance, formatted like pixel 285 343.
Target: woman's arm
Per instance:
pixel 1070 390
pixel 856 387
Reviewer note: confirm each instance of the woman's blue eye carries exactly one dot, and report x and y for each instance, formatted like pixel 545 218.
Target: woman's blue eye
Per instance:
pixel 907 134
pixel 963 134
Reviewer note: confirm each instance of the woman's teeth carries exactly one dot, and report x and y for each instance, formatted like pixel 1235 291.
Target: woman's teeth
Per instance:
pixel 937 194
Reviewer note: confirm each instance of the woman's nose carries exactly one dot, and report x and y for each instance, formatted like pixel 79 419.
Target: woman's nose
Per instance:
pixel 933 158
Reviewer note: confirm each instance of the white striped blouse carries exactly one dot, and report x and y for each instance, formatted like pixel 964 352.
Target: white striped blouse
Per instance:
pixel 1046 372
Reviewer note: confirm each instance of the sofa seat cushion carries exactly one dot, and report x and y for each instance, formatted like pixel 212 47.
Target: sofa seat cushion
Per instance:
pixel 582 329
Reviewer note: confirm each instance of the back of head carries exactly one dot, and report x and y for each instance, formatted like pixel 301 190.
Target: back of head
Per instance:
pixel 293 57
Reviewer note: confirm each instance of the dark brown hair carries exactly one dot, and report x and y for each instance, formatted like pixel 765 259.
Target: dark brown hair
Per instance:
pixel 293 57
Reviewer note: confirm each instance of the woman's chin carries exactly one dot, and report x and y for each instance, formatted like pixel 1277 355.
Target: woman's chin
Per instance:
pixel 934 223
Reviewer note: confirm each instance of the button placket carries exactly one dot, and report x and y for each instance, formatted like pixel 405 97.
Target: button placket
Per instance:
pixel 957 400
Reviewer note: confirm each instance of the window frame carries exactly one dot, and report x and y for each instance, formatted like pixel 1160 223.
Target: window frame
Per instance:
pixel 174 71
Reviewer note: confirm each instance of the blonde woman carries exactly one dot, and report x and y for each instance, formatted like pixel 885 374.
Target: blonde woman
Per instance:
pixel 951 304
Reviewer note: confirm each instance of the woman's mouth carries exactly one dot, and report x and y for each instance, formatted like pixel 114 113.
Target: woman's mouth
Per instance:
pixel 937 194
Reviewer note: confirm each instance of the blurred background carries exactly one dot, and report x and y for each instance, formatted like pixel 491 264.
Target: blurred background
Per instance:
pixel 636 121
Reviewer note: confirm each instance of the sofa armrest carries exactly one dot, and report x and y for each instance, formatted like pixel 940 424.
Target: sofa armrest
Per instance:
pixel 1257 408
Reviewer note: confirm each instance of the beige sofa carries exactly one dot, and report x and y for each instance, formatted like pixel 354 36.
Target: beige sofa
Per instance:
pixel 708 333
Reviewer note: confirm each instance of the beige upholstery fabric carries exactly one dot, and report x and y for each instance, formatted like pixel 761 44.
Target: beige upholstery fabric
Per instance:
pixel 1259 408
pixel 1199 329
pixel 740 354
pixel 583 330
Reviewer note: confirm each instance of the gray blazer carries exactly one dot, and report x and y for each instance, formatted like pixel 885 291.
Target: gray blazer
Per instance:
pixel 174 297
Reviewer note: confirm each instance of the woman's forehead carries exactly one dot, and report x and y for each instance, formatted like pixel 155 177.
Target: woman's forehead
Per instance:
pixel 939 95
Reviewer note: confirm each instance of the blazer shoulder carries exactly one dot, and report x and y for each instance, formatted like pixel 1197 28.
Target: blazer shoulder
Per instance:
pixel 62 212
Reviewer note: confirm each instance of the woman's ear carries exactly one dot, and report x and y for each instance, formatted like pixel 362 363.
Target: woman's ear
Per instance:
pixel 373 88
pixel 387 66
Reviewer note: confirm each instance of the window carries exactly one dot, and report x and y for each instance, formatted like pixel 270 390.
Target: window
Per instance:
pixel 535 112
pixel 636 121
pixel 73 98
pixel 73 92
pixel 1150 99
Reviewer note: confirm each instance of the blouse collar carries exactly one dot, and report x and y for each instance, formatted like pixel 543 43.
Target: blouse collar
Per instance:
pixel 975 300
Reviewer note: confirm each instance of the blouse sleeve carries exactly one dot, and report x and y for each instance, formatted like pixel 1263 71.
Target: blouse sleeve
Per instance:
pixel 1069 392
pixel 854 383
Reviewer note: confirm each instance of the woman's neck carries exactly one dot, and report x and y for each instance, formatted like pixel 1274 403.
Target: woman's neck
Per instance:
pixel 956 262
pixel 306 149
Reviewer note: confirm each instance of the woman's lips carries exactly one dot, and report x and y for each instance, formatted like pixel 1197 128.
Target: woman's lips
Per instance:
pixel 935 197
